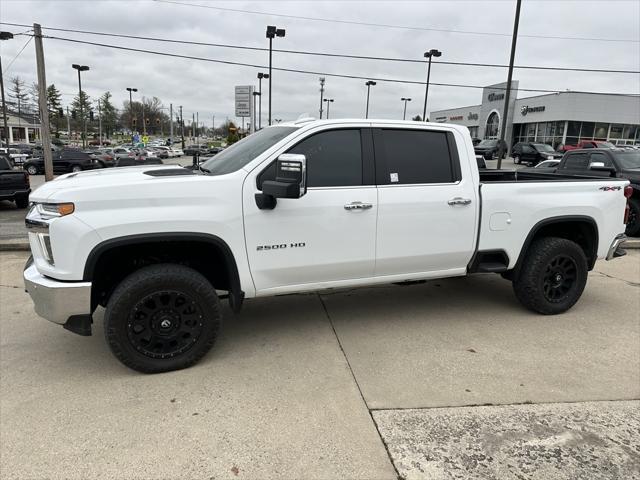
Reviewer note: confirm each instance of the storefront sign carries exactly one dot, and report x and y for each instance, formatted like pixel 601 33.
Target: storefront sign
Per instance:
pixel 494 97
pixel 472 116
pixel 527 109
pixel 456 118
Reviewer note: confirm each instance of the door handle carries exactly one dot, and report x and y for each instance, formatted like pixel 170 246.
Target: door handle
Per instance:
pixel 358 206
pixel 459 201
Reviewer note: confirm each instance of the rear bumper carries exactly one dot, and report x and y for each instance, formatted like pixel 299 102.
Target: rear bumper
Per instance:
pixel 54 300
pixel 615 250
pixel 4 195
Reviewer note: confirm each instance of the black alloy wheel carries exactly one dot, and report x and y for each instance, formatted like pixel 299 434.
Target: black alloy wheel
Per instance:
pixel 559 278
pixel 164 324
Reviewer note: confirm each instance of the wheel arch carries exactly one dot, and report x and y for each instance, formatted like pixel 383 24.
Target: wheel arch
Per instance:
pixel 112 260
pixel 581 229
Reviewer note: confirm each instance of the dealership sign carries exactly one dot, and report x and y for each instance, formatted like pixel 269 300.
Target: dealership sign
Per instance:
pixel 527 109
pixel 243 100
pixel 494 97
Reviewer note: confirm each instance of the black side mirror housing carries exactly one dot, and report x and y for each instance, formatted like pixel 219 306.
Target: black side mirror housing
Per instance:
pixel 290 182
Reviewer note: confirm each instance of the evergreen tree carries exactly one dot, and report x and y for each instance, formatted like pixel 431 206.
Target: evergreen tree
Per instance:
pixel 109 115
pixel 81 100
pixel 54 104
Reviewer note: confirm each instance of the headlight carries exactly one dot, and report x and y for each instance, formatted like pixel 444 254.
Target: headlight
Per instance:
pixel 549 157
pixel 48 211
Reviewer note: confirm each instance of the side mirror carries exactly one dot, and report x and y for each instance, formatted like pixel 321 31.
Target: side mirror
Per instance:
pixel 291 177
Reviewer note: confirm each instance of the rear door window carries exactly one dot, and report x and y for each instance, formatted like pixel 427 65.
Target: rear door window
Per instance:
pixel 577 161
pixel 414 157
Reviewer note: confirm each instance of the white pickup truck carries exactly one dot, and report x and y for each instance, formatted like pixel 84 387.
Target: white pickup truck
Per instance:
pixel 298 207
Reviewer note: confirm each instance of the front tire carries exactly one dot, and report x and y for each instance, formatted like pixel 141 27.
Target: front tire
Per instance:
pixel 22 202
pixel 633 225
pixel 76 168
pixel 32 170
pixel 162 317
pixel 553 276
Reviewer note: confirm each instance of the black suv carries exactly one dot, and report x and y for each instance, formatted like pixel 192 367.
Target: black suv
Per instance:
pixel 608 162
pixel 67 160
pixel 490 149
pixel 533 153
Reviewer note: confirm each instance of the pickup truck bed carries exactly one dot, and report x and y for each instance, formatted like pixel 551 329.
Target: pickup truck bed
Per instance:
pixel 14 184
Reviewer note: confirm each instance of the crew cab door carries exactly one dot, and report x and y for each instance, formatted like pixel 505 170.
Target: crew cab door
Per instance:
pixel 327 235
pixel 427 202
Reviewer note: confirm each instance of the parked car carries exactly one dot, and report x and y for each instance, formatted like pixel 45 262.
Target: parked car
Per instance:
pixel 96 141
pixel 15 155
pixel 177 152
pixel 23 147
pixel 533 153
pixel 215 150
pixel 138 160
pixel 122 152
pixel 609 162
pixel 270 216
pixel 67 160
pixel 587 144
pixel 199 149
pixel 104 156
pixel 161 152
pixel 488 149
pixel 14 184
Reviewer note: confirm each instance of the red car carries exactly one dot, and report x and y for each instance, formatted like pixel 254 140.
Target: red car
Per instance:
pixel 587 144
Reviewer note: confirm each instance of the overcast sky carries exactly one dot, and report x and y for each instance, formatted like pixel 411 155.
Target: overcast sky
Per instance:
pixel 208 87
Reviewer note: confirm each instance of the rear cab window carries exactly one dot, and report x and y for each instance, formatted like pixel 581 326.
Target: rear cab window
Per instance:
pixel 415 156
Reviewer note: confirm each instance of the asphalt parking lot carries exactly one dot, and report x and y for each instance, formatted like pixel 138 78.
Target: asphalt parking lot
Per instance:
pixel 446 379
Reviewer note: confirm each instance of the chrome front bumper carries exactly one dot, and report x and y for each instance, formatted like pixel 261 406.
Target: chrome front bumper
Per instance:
pixel 614 249
pixel 54 300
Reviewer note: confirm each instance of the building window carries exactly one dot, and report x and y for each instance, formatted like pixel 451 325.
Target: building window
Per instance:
pixel 601 131
pixel 493 126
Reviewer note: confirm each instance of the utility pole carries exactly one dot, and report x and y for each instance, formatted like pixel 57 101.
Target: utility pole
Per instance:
pixel 369 84
pixel 271 33
pixel 503 123
pixel 213 125
pixel 68 125
pixel 144 123
pixel 321 94
pixel 198 128
pixel 42 101
pixel 4 36
pixel 171 123
pixel 182 126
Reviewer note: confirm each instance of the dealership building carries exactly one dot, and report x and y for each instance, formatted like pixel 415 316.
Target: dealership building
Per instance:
pixel 562 118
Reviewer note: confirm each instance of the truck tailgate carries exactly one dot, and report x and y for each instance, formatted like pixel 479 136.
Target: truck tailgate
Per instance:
pixel 11 181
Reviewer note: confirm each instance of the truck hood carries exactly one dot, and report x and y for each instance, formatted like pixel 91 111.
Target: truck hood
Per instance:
pixel 94 179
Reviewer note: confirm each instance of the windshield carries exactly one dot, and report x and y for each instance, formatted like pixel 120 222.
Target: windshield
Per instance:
pixel 543 147
pixel 488 143
pixel 241 153
pixel 628 160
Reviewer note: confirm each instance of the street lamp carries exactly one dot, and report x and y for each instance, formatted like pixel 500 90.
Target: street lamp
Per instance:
pixel 260 77
pixel 431 53
pixel 329 102
pixel 368 84
pixel 271 33
pixel 321 94
pixel 4 36
pixel 405 100
pixel 255 95
pixel 130 90
pixel 81 68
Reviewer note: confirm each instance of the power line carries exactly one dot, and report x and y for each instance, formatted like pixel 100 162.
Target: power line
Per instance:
pixel 307 72
pixel 6 70
pixel 325 54
pixel 386 25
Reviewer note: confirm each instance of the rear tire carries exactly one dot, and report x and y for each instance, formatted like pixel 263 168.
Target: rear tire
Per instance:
pixel 32 170
pixel 553 276
pixel 76 168
pixel 22 202
pixel 633 227
pixel 162 317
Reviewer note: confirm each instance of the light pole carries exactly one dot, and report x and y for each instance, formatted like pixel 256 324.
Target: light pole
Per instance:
pixel 81 68
pixel 260 77
pixel 271 33
pixel 405 100
pixel 130 90
pixel 369 84
pixel 4 36
pixel 431 53
pixel 321 94
pixel 255 120
pixel 182 127
pixel 329 102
